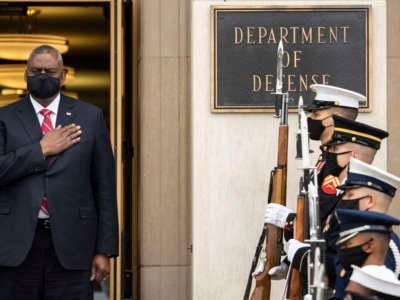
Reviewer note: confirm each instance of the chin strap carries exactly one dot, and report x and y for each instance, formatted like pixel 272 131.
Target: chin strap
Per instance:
pixel 396 255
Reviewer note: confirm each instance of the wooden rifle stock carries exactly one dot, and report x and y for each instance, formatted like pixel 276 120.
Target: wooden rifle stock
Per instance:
pixel 274 244
pixel 295 278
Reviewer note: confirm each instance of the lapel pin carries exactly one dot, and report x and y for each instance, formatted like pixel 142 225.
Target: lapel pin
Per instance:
pixel 68 113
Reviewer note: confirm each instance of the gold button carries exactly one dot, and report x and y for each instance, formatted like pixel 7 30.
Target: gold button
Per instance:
pixel 369 183
pixel 342 273
pixel 291 223
pixel 353 139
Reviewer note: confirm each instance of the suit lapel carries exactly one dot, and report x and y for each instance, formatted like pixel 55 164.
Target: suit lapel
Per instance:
pixel 29 120
pixel 66 113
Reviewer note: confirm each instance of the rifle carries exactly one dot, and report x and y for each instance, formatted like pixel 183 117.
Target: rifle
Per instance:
pixel 258 248
pixel 301 212
pixel 316 269
pixel 274 244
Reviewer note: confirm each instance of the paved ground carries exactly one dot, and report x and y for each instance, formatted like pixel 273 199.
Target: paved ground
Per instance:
pixel 100 296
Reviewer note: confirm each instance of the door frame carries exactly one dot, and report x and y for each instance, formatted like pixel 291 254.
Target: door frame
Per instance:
pixel 118 123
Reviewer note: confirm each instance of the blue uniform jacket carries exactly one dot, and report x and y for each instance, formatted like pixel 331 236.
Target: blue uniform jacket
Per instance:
pixel 343 277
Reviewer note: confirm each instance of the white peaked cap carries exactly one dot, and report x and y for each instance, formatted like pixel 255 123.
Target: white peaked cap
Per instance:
pixel 338 96
pixel 362 174
pixel 377 278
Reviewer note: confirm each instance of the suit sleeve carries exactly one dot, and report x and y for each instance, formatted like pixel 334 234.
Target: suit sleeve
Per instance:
pixel 103 177
pixel 20 162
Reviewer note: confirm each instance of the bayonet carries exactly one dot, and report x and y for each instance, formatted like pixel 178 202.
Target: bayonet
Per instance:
pixel 281 99
pixel 279 69
pixel 305 151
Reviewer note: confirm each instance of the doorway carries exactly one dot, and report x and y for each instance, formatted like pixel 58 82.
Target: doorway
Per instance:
pixel 100 59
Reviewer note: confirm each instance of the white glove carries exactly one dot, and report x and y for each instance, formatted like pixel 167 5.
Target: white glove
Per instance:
pixel 276 214
pixel 278 272
pixel 293 247
pixel 260 268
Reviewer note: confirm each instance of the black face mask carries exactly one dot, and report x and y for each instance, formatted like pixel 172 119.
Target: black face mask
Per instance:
pixel 331 164
pixel 350 203
pixel 352 256
pixel 315 128
pixel 43 86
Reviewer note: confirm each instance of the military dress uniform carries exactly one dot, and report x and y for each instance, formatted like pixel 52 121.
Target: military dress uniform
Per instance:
pixel 345 131
pixel 392 262
pixel 326 97
pixel 379 279
pixel 361 174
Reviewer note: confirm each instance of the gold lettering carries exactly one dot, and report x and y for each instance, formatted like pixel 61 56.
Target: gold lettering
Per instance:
pixel 345 33
pixel 321 34
pixel 306 37
pixel 262 33
pixel 325 78
pixel 290 83
pixel 283 34
pixel 268 82
pixel 272 36
pixel 314 78
pixel 332 34
pixel 250 35
pixel 294 33
pixel 291 35
pixel 293 82
pixel 303 82
pixel 238 35
pixel 296 54
pixel 286 59
pixel 256 83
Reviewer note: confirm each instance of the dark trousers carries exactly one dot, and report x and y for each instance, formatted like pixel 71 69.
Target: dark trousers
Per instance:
pixel 41 277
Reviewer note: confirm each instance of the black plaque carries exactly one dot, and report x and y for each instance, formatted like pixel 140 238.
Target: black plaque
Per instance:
pixel 329 45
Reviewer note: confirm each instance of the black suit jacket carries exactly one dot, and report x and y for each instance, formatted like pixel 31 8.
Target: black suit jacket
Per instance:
pixel 79 183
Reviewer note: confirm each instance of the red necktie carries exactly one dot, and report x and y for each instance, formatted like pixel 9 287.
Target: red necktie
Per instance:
pixel 46 127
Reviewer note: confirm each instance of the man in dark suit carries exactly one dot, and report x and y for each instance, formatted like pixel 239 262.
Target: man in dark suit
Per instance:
pixel 58 216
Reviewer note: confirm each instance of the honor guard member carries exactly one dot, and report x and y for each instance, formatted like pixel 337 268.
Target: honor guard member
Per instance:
pixel 369 188
pixel 328 102
pixel 364 239
pixel 372 282
pixel 349 139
